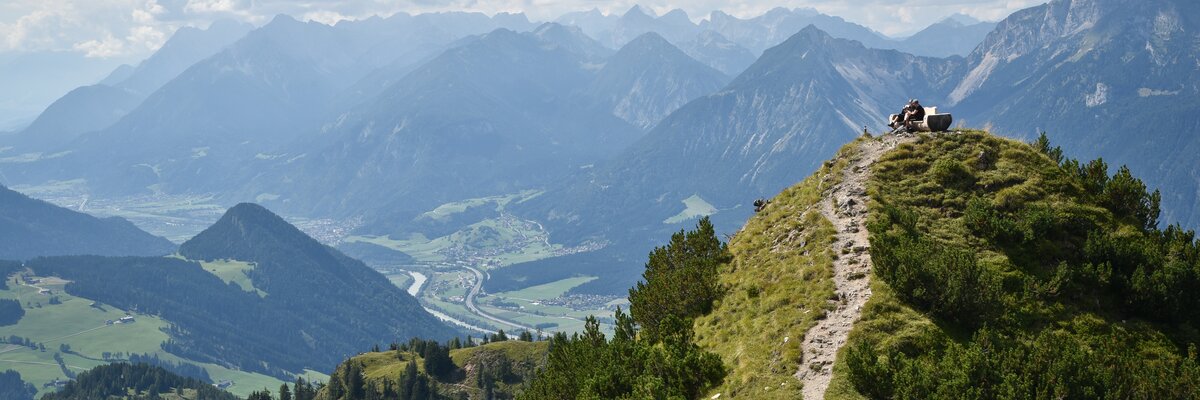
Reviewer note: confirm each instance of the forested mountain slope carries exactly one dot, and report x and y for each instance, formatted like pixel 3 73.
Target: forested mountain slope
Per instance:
pixel 136 381
pixel 293 304
pixel 31 228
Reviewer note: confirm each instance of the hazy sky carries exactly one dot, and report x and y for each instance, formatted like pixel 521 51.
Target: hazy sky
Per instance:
pixel 134 28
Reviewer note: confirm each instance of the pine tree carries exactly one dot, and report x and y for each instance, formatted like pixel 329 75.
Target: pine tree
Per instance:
pixel 263 395
pixel 680 279
pixel 408 381
pixel 355 385
pixel 304 389
pixel 437 361
pixel 284 393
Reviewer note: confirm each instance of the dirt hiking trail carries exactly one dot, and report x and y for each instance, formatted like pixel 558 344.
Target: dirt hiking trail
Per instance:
pixel 845 206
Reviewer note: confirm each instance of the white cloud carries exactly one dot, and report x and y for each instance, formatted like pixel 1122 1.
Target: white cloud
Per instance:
pixel 97 28
pixel 324 16
pixel 211 6
pixel 108 28
pixel 146 38
pixel 109 46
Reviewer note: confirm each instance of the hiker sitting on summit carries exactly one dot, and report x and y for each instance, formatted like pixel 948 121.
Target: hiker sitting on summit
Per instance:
pixel 912 112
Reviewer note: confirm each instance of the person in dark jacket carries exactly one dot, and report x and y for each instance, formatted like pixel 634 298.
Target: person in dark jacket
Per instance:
pixel 912 112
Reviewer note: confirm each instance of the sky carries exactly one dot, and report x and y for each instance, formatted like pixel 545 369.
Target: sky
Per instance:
pixel 132 29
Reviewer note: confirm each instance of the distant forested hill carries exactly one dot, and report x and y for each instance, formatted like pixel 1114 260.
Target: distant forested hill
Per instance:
pixel 136 381
pixel 311 307
pixel 31 228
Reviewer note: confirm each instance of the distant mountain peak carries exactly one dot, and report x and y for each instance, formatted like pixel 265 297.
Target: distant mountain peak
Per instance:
pixel 637 11
pixel 503 35
pixel 810 33
pixel 226 23
pixel 551 27
pixel 512 18
pixel 777 12
pixel 648 40
pixel 252 213
pixel 553 31
pixel 282 19
pixel 677 15
pixel 961 18
pixel 246 229
pixel 250 210
pixel 719 15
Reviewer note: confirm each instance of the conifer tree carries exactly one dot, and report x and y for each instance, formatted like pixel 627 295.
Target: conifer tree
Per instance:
pixel 284 393
pixel 680 279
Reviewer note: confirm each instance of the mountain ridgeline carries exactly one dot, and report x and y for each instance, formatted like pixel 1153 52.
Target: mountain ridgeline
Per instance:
pixel 34 228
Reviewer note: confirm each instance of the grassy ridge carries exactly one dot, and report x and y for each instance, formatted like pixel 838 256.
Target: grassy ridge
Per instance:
pixel 998 275
pixel 777 287
pixel 520 357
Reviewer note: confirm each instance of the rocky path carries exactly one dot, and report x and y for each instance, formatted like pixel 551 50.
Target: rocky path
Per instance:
pixel 845 206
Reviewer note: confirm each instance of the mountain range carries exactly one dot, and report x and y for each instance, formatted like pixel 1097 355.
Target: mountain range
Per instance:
pixel 97 106
pixel 616 134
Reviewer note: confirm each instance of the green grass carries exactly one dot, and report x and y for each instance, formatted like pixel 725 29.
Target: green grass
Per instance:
pixel 935 178
pixel 777 286
pixel 513 349
pixel 460 312
pixel 565 324
pixel 569 320
pixel 446 210
pixel 488 234
pixel 547 291
pixel 416 245
pixel 83 327
pixel 389 365
pixel 235 272
pixel 694 207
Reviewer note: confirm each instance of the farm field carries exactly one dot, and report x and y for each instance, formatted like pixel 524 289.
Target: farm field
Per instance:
pixel 235 272
pixel 76 323
pixel 694 207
